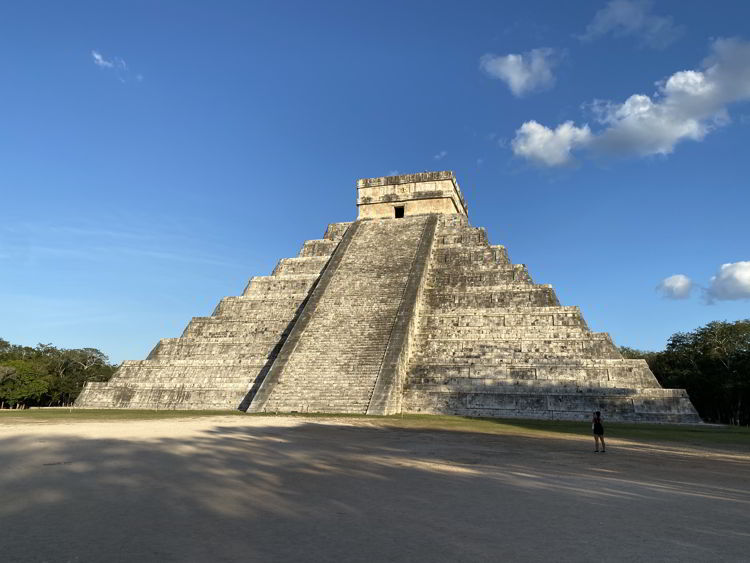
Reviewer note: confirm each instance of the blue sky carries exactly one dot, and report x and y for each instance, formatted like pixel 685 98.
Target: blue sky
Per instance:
pixel 155 155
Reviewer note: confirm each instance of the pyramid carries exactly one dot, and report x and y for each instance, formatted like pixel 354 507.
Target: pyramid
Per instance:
pixel 407 309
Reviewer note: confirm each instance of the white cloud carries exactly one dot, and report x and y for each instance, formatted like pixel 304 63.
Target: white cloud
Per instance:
pixel 116 65
pixel 524 73
pixel 731 282
pixel 101 61
pixel 688 105
pixel 678 286
pixel 550 147
pixel 633 18
pixel 441 155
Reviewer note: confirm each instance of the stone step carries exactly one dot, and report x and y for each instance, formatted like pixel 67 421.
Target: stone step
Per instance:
pixel 467 255
pixel 507 356
pixel 534 296
pixel 103 396
pixel 630 372
pixel 300 265
pixel 529 341
pixel 277 297
pixel 501 332
pixel 250 309
pixel 467 236
pixel 219 327
pixel 609 363
pixel 278 286
pixel 510 287
pixel 179 381
pixel 234 337
pixel 319 247
pixel 657 405
pixel 200 363
pixel 446 277
pixel 554 316
pixel 179 347
pixel 510 386
pixel 336 230
pixel 189 372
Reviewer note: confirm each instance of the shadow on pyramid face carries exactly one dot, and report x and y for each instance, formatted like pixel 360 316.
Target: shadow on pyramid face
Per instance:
pixel 272 489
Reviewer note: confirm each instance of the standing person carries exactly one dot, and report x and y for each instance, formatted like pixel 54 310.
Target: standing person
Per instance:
pixel 596 426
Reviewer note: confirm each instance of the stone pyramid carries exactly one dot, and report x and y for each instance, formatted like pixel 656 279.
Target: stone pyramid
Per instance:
pixel 407 309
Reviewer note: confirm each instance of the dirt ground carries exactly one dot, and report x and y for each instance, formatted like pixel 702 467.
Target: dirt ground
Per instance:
pixel 292 489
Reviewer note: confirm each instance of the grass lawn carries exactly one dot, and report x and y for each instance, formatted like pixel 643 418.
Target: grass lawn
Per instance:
pixel 61 414
pixel 694 435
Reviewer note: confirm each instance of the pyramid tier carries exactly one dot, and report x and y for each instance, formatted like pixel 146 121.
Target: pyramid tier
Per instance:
pixel 618 404
pixel 219 361
pixel 580 373
pixel 280 285
pixel 300 265
pixel 492 343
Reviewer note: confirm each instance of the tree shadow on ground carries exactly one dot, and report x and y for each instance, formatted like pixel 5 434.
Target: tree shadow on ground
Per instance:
pixel 332 491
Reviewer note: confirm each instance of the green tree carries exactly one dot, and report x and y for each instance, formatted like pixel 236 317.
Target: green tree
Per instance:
pixel 21 383
pixel 46 375
pixel 712 363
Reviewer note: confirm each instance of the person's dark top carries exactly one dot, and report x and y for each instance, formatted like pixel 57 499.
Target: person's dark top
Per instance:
pixel 598 428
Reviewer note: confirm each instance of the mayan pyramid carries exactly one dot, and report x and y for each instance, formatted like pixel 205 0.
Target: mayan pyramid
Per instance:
pixel 407 309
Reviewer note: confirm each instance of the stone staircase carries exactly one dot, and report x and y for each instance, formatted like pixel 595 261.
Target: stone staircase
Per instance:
pixel 219 361
pixel 490 342
pixel 335 359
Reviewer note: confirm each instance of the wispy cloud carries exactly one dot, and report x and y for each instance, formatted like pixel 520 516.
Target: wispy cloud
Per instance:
pixel 175 257
pixel 688 105
pixel 441 155
pixel 116 65
pixel 98 233
pixel 49 311
pixel 29 241
pixel 525 72
pixel 101 61
pixel 633 18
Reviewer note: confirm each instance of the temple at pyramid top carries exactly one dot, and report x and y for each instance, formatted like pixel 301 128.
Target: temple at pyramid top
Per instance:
pixel 410 194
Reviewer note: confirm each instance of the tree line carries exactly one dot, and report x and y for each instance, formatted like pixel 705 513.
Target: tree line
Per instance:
pixel 47 376
pixel 713 364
